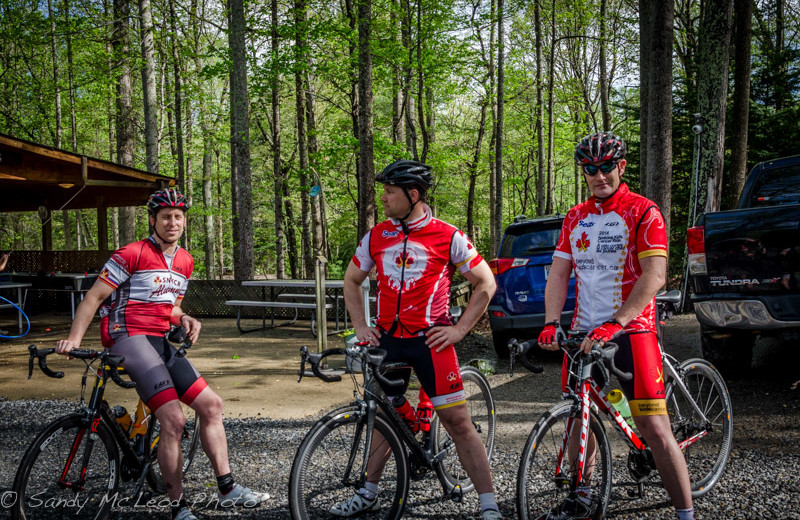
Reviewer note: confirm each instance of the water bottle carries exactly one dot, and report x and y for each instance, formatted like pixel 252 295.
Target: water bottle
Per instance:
pixel 407 412
pixel 122 417
pixel 620 403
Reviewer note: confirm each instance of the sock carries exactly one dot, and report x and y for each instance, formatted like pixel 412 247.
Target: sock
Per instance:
pixel 225 483
pixel 369 491
pixel 488 502
pixel 177 509
pixel 584 494
pixel 685 514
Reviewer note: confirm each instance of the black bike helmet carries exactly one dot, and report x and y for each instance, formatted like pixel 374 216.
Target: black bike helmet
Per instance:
pixel 600 147
pixel 166 198
pixel 406 174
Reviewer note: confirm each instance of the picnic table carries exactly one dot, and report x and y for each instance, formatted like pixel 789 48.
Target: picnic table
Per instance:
pixel 22 289
pixel 76 284
pixel 283 294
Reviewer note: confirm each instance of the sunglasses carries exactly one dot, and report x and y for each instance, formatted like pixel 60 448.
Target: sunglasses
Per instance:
pixel 605 168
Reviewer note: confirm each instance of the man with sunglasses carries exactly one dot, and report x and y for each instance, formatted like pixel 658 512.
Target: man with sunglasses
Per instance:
pixel 617 244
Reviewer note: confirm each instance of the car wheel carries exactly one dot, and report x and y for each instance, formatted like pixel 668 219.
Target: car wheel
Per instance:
pixel 732 355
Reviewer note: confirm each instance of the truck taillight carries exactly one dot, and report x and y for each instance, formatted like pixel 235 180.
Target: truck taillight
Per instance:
pixel 697 250
pixel 501 265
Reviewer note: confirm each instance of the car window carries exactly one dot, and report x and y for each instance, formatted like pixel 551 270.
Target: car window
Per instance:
pixel 519 243
pixel 778 186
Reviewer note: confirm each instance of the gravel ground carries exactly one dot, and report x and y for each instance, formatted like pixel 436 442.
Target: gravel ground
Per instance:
pixel 760 482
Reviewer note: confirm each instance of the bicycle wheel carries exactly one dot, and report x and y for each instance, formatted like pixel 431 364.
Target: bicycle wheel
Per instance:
pixel 545 478
pixel 707 456
pixel 47 483
pixel 481 409
pixel 190 438
pixel 318 479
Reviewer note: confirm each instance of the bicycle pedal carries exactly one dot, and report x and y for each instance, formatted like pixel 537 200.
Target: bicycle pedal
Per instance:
pixel 457 494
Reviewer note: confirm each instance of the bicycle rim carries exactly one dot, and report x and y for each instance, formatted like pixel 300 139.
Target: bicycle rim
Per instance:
pixel 545 479
pixel 317 482
pixel 55 461
pixel 706 458
pixel 481 410
pixel 190 439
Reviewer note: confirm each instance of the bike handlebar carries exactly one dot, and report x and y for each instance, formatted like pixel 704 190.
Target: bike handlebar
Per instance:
pixel 373 356
pixel 112 360
pixel 517 349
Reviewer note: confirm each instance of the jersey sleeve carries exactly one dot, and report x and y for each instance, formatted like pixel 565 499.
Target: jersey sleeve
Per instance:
pixel 563 247
pixel 119 268
pixel 462 253
pixel 651 237
pixel 362 258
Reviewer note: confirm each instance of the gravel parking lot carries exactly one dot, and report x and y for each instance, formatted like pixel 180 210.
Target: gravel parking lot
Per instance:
pixel 760 482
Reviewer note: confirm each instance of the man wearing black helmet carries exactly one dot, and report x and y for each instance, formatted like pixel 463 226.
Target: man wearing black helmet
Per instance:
pixel 617 244
pixel 141 288
pixel 415 257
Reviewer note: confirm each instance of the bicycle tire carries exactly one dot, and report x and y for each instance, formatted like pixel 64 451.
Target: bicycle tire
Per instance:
pixel 539 493
pixel 189 441
pixel 705 459
pixel 316 482
pixel 58 452
pixel 482 411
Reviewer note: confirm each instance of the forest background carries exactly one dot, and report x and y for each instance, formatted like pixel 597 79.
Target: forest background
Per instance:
pixel 275 115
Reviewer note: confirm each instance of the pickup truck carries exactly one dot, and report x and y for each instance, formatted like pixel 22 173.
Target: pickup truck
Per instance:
pixel 744 267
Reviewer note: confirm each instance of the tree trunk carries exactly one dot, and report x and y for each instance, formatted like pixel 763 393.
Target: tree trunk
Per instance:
pixel 408 99
pixel 208 204
pixel 541 176
pixel 302 144
pixel 366 170
pixel 498 154
pixel 320 218
pixel 277 167
pixel 473 170
pixel 422 120
pixel 180 177
pixel 126 143
pixel 71 76
pixel 743 12
pixel 56 87
pixel 149 87
pixel 493 138
pixel 292 241
pixel 659 105
pixel 712 92
pixel 551 184
pixel 645 46
pixel 240 145
pixel 398 131
pixel 603 84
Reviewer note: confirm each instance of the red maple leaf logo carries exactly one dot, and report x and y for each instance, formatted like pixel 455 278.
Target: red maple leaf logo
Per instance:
pixel 404 260
pixel 583 243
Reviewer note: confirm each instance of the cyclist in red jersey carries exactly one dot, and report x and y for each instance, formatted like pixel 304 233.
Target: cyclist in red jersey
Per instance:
pixel 415 257
pixel 617 244
pixel 141 288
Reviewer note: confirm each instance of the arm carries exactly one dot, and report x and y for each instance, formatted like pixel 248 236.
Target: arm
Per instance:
pixel 653 277
pixel 354 301
pixel 180 318
pixel 83 316
pixel 484 286
pixel 3 261
pixel 555 294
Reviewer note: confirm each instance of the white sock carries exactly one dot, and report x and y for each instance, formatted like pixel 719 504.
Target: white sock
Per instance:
pixel 488 501
pixel 685 514
pixel 369 491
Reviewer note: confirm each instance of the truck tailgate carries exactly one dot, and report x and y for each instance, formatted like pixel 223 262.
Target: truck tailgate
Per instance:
pixel 754 250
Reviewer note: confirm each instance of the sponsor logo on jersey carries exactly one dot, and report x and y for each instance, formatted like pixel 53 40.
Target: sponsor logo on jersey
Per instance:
pixel 389 234
pixel 584 223
pixel 452 376
pixel 582 243
pixel 162 384
pixel 658 374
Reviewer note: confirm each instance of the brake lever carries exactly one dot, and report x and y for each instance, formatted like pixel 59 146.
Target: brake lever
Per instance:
pixel 303 357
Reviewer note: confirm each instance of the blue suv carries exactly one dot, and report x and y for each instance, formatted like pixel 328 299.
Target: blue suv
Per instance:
pixel 521 269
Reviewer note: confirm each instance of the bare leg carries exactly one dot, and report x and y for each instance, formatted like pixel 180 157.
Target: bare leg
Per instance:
pixel 212 432
pixel 469 446
pixel 170 458
pixel 671 465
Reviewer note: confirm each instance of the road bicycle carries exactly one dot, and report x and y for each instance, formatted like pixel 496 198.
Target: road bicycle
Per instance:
pixel 699 409
pixel 331 462
pixel 75 463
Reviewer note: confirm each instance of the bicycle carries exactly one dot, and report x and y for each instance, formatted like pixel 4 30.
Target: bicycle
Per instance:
pixel 698 405
pixel 65 468
pixel 331 462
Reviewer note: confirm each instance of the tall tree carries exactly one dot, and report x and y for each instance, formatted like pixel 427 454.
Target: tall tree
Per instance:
pixel 498 154
pixel 366 169
pixel 603 80
pixel 302 141
pixel 645 48
pixel 743 14
pixel 277 167
pixel 126 143
pixel 149 87
pixel 180 177
pixel 243 266
pixel 712 92
pixel 541 173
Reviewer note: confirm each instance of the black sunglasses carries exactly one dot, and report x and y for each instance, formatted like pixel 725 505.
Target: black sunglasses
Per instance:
pixel 592 169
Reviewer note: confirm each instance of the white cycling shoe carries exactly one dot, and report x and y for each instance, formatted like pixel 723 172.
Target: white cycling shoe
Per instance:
pixel 491 514
pixel 242 497
pixel 356 505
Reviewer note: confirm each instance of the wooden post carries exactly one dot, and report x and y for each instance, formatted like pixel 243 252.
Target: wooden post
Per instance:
pixel 322 314
pixel 102 231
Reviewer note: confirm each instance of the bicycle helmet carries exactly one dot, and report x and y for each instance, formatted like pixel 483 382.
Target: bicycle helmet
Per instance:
pixel 600 147
pixel 406 174
pixel 166 198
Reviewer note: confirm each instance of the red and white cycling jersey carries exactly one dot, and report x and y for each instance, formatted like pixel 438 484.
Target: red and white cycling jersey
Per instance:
pixel 146 284
pixel 605 241
pixel 415 272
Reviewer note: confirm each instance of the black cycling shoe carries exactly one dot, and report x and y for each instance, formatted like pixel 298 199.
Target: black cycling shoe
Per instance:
pixel 573 508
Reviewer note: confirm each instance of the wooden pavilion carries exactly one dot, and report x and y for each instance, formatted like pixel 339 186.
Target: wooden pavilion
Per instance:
pixel 34 177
